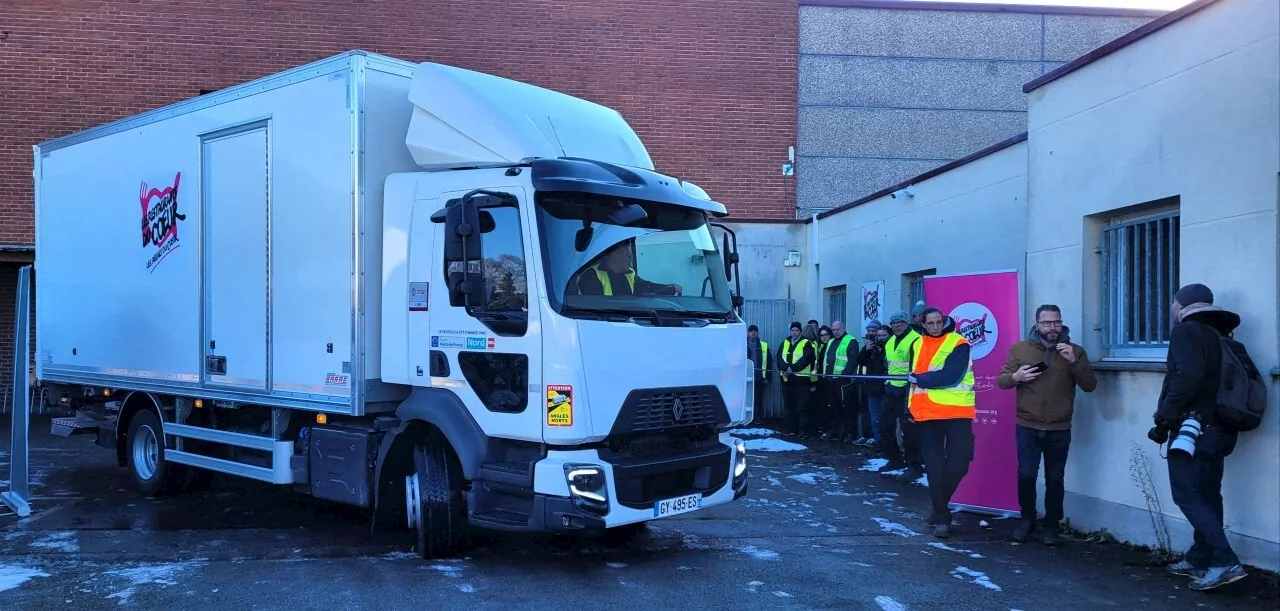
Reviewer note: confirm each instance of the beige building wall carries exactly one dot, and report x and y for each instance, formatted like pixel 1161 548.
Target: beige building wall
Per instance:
pixel 969 219
pixel 1186 119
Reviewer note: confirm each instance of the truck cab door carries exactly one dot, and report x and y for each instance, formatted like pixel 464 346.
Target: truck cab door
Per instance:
pixel 485 343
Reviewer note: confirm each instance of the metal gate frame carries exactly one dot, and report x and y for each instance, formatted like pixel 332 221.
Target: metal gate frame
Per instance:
pixel 18 496
pixel 773 317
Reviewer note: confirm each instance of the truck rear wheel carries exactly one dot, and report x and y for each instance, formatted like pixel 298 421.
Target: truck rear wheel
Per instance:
pixel 433 500
pixel 145 452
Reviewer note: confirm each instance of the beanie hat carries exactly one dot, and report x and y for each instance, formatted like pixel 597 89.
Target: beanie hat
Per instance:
pixel 753 328
pixel 1193 293
pixel 919 309
pixel 899 317
pixel 795 325
pixel 873 324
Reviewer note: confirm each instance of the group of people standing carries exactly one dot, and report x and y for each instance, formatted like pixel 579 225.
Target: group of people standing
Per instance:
pixel 914 398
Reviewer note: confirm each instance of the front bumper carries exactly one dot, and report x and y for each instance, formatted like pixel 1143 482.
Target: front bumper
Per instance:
pixel 634 485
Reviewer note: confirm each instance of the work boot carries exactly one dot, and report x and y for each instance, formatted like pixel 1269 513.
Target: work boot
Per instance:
pixel 1023 531
pixel 936 518
pixel 1218 576
pixel 1052 538
pixel 1184 568
pixel 942 531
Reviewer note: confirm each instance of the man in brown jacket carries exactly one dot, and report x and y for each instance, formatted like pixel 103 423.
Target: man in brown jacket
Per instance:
pixel 1046 368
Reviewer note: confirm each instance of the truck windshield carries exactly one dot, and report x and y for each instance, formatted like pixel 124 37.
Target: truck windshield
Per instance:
pixel 664 264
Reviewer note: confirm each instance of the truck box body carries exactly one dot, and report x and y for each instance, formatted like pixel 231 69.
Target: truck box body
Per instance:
pixel 223 247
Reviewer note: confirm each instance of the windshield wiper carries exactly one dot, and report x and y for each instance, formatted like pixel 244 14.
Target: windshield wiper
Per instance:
pixel 617 313
pixel 711 316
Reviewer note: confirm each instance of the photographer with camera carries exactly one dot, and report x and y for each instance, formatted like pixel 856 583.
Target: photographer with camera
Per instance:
pixel 1197 453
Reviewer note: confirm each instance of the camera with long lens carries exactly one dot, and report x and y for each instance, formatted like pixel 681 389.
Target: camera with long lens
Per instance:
pixel 1188 433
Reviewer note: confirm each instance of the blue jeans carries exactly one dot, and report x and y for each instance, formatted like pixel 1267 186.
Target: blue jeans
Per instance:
pixel 875 404
pixel 1053 445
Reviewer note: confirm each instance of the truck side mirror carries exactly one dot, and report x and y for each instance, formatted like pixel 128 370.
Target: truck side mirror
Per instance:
pixel 464 253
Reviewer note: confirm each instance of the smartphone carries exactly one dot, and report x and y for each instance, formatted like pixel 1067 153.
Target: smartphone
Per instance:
pixel 1039 367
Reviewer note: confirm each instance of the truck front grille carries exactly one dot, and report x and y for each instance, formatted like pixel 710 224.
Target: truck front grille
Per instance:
pixel 657 409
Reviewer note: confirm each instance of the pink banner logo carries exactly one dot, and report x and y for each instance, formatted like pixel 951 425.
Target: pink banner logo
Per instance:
pixel 160 218
pixel 977 324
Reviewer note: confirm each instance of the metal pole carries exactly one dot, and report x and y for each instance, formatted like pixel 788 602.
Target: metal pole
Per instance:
pixel 19 493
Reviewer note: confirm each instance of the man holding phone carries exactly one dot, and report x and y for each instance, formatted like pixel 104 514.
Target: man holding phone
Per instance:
pixel 1045 368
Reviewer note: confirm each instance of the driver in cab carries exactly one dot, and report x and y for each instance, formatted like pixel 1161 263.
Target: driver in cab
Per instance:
pixel 613 273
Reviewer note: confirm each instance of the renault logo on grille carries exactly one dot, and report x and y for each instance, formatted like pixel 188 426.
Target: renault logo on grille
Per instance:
pixel 677 410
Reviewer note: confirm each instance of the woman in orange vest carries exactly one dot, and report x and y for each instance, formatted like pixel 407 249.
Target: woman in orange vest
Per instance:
pixel 942 405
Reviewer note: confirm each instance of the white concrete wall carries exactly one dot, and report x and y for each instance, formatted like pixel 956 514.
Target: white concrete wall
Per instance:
pixel 970 219
pixel 1194 111
pixel 762 248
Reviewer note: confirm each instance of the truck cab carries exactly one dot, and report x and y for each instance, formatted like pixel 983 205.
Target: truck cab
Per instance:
pixel 572 305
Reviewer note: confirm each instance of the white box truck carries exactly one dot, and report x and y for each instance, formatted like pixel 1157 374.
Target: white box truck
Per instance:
pixel 453 299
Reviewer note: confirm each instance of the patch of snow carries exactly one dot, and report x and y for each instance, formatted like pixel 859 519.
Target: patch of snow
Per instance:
pixel 400 555
pixel 874 465
pixel 693 542
pixel 751 586
pixel 754 432
pixel 773 445
pixel 923 481
pixel 617 565
pixel 863 564
pixel 889 604
pixel 895 528
pixel 14 576
pixel 894 472
pixel 466 588
pixel 952 549
pixel 838 493
pixel 811 478
pixel 684 568
pixel 978 577
pixel 757 553
pixel 145 574
pixel 780 594
pixel 773 480
pixel 59 541
pixel 448 571
pixel 984 524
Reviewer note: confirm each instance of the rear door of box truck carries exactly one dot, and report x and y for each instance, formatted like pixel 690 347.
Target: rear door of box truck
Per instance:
pixel 208 248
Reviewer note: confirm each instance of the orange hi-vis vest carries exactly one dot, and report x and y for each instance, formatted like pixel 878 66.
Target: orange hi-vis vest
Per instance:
pixel 941 403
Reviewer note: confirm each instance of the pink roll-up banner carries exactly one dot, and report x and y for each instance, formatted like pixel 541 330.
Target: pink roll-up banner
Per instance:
pixel 986 311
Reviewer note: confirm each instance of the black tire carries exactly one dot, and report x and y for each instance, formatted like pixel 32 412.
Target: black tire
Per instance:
pixel 442 518
pixel 151 472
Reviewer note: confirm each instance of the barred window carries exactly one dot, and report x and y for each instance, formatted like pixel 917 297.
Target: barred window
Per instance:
pixel 914 287
pixel 1140 276
pixel 835 303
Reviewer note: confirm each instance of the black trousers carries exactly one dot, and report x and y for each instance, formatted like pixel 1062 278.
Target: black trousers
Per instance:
pixel 895 414
pixel 799 394
pixel 761 386
pixel 1196 484
pixel 947 446
pixel 1053 446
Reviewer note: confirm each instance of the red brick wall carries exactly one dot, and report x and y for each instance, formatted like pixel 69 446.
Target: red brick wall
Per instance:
pixel 710 85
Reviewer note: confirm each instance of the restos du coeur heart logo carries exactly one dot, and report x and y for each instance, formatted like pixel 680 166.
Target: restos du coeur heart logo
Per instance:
pixel 977 324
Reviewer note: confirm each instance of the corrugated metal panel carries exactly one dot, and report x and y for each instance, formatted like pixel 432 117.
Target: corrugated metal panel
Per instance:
pixel 773 317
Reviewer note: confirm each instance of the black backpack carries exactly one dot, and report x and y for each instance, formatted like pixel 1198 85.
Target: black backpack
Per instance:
pixel 1242 395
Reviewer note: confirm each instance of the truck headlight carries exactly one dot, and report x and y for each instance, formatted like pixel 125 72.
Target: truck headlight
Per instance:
pixel 588 487
pixel 740 462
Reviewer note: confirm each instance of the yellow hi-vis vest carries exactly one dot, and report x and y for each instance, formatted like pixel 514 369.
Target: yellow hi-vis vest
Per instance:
pixel 763 365
pixel 896 354
pixel 941 403
pixel 608 284
pixel 841 353
pixel 789 357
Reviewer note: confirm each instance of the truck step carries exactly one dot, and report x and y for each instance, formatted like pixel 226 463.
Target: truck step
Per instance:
pixel 501 517
pixel 71 425
pixel 511 475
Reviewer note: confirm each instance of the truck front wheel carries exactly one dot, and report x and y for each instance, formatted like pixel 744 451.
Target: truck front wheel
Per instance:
pixel 434 502
pixel 145 452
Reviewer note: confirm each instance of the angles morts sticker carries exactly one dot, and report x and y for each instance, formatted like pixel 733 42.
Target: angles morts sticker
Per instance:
pixel 559 405
pixel 160 218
